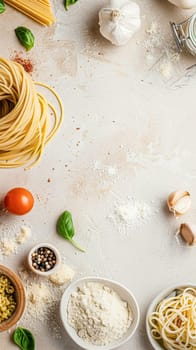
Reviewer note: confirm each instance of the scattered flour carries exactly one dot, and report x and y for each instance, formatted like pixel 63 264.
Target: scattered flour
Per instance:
pixel 161 51
pixel 153 43
pixel 12 235
pixel 98 314
pixel 39 294
pixel 131 214
pixel 23 235
pixel 106 173
pixel 154 37
pixel 110 170
pixel 7 247
pixel 43 299
pixel 153 155
pixel 165 69
pixel 154 28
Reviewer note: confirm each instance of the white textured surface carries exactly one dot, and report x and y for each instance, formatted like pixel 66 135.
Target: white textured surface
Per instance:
pixel 135 107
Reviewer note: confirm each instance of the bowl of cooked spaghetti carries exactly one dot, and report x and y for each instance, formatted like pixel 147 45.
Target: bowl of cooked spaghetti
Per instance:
pixel 171 318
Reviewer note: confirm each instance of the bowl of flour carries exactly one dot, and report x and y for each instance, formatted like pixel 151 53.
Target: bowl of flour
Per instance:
pixel 98 313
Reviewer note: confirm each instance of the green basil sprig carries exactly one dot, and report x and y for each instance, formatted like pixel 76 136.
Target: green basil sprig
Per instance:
pixel 67 3
pixel 24 339
pixel 2 6
pixel 26 37
pixel 65 228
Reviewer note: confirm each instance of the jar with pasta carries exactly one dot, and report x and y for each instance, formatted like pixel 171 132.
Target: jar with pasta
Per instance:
pixel 185 34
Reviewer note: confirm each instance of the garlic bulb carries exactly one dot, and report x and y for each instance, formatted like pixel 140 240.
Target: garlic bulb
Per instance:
pixel 119 21
pixel 179 202
pixel 184 4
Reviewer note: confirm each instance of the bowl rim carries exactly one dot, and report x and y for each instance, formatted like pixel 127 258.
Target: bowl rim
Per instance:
pixel 47 245
pixel 112 283
pixel 160 296
pixel 20 291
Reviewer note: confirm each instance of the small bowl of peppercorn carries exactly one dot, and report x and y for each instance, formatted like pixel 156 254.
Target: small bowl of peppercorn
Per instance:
pixel 44 259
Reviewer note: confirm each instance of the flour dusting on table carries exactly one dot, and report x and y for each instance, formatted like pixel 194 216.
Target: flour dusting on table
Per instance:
pixel 131 213
pixel 12 236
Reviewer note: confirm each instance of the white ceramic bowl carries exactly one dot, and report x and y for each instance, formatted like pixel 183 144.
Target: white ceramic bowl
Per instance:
pixel 56 252
pixel 124 294
pixel 162 295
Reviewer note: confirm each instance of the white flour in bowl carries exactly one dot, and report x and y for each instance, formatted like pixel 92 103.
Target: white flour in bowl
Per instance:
pixel 98 314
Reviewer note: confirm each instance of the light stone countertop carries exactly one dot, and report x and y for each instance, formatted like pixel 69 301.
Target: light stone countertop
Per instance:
pixel 128 135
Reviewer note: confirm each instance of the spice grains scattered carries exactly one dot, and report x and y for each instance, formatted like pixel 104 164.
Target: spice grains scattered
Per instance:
pixel 25 62
pixel 98 314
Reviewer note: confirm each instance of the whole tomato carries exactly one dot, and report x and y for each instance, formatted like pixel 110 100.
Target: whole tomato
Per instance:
pixel 19 201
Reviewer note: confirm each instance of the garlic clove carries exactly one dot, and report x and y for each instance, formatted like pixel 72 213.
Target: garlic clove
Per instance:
pixel 188 233
pixel 179 202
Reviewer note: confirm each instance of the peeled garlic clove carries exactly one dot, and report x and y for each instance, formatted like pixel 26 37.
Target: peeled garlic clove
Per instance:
pixel 188 233
pixel 179 202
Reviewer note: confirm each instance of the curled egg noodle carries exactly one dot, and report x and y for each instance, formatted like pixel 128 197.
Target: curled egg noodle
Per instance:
pixel 25 116
pixel 173 323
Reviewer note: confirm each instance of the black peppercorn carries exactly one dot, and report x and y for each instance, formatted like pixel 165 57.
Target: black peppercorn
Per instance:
pixel 43 259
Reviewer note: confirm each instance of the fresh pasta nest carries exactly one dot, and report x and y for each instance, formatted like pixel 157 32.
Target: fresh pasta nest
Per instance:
pixel 173 323
pixel 24 117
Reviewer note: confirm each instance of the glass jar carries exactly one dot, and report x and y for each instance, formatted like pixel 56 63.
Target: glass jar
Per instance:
pixel 185 34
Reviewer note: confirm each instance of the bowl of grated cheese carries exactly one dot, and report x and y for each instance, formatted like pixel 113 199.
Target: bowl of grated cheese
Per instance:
pixel 98 313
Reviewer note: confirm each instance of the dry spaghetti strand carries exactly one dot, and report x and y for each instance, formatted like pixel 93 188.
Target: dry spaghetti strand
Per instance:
pixel 39 10
pixel 24 117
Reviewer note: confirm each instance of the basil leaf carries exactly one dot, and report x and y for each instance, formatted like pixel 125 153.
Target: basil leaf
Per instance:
pixel 24 339
pixel 2 6
pixel 67 3
pixel 65 228
pixel 25 36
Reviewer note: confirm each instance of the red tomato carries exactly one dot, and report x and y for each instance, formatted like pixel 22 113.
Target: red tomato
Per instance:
pixel 19 201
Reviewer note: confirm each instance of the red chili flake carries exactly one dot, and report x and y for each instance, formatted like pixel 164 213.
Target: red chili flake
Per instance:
pixel 25 62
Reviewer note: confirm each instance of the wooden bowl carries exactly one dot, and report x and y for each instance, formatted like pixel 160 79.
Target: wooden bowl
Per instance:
pixel 19 297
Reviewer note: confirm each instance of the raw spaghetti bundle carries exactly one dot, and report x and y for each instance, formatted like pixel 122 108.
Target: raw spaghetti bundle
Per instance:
pixel 174 321
pixel 24 117
pixel 39 10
